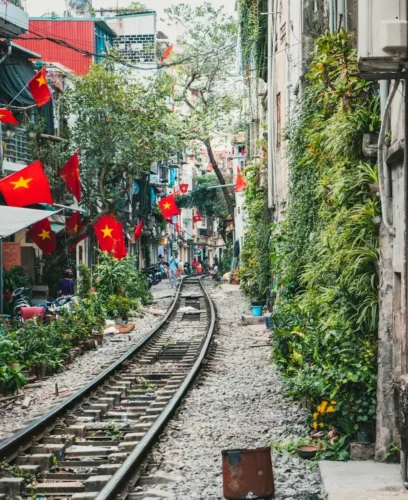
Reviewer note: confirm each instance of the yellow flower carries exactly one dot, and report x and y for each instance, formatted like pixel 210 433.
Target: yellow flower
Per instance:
pixel 315 415
pixel 333 402
pixel 331 409
pixel 322 407
pixel 321 425
pixel 315 425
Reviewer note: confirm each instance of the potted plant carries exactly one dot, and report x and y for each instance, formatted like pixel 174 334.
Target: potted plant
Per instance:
pixel 119 307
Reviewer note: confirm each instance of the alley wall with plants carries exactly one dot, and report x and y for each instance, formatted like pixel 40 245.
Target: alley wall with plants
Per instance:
pixel 324 257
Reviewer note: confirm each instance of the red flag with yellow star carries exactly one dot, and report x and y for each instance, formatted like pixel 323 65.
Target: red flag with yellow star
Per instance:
pixel 7 116
pixel 197 218
pixel 183 188
pixel 38 87
pixel 70 174
pixel 168 206
pixel 73 225
pixel 119 249
pixel 26 187
pixel 108 232
pixel 42 236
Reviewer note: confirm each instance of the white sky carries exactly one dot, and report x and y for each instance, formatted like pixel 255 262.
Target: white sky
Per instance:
pixel 37 8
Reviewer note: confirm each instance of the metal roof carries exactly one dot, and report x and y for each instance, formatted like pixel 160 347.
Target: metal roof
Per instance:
pixel 98 21
pixel 14 219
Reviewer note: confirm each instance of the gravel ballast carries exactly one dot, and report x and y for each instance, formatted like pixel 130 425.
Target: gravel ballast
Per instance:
pixel 237 402
pixel 84 368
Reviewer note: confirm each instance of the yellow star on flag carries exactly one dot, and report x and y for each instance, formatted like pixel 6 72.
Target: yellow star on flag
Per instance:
pixel 41 81
pixel 75 228
pixel 107 231
pixel 21 183
pixel 2 116
pixel 45 234
pixel 167 205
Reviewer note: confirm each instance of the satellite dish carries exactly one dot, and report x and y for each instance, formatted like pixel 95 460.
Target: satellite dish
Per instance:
pixel 77 4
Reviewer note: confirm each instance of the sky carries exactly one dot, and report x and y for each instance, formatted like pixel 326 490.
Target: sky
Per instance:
pixel 37 8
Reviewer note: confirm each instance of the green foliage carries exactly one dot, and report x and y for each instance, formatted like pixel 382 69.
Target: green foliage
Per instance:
pixel 120 307
pixel 255 271
pixel 253 31
pixel 326 256
pixel 122 127
pixel 120 277
pixel 16 277
pixel 85 281
pixel 209 201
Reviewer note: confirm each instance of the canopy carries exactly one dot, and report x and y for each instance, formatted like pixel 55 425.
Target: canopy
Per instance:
pixel 14 219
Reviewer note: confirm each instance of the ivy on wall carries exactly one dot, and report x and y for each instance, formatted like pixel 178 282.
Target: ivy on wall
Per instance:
pixel 253 28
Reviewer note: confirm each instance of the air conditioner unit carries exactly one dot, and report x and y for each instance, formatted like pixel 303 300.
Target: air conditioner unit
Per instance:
pixel 382 38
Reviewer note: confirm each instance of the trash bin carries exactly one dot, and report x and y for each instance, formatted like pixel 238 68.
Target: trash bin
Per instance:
pixel 247 474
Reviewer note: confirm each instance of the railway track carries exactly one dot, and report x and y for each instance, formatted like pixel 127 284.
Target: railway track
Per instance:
pixel 93 444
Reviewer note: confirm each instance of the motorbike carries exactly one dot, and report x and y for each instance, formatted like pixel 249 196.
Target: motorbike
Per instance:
pixel 187 269
pixel 18 300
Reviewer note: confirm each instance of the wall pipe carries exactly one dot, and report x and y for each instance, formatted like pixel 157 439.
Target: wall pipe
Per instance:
pixel 270 103
pixel 385 205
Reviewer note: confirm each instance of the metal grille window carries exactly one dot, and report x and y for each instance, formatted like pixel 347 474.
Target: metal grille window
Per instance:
pixel 278 121
pixel 16 147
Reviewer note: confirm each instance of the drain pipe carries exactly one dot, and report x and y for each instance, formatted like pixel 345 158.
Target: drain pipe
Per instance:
pixel 271 74
pixel 385 200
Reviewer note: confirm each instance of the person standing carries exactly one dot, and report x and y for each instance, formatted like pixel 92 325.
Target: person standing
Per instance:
pixel 194 265
pixel 216 262
pixel 173 266
pixel 66 285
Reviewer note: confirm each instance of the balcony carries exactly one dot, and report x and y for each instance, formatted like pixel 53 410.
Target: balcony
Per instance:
pixel 13 19
pixel 17 153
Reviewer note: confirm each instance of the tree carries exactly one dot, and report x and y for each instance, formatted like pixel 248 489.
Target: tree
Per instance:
pixel 208 201
pixel 121 127
pixel 206 86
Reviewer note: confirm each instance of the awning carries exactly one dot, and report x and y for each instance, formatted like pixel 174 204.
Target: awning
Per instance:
pixel 14 219
pixel 16 72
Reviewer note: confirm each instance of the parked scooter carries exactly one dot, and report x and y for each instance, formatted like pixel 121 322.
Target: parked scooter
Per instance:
pixel 187 269
pixel 18 300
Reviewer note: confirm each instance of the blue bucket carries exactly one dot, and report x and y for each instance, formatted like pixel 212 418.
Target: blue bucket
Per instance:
pixel 256 310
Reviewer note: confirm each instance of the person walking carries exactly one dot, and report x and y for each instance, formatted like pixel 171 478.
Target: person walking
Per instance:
pixel 173 266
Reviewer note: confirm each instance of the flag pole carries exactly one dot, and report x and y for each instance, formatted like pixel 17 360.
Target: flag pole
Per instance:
pixel 22 90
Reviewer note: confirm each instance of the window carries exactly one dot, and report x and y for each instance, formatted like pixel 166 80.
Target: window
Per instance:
pixel 278 121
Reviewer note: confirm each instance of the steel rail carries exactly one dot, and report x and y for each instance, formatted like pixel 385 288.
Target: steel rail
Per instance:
pixel 17 440
pixel 120 480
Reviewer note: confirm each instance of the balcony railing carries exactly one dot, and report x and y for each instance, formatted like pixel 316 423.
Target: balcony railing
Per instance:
pixel 16 149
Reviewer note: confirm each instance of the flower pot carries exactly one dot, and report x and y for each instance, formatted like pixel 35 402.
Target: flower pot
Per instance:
pixel 256 310
pixel 258 302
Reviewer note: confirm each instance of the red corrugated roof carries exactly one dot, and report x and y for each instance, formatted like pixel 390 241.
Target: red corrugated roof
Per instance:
pixel 80 34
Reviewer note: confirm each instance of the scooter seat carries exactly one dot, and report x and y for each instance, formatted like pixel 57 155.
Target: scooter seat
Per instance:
pixel 30 312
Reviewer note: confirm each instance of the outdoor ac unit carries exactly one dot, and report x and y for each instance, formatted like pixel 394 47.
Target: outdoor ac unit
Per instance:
pixel 382 37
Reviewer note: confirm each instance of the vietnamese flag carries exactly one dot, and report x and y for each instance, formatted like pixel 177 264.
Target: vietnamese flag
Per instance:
pixel 38 87
pixel 70 174
pixel 28 186
pixel 138 230
pixel 197 218
pixel 7 116
pixel 177 226
pixel 108 233
pixel 119 247
pixel 168 206
pixel 241 182
pixel 74 224
pixel 42 236
pixel 183 188
pixel 167 53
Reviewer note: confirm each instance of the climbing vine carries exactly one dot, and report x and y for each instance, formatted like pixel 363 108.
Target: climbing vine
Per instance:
pixel 326 255
pixel 253 26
